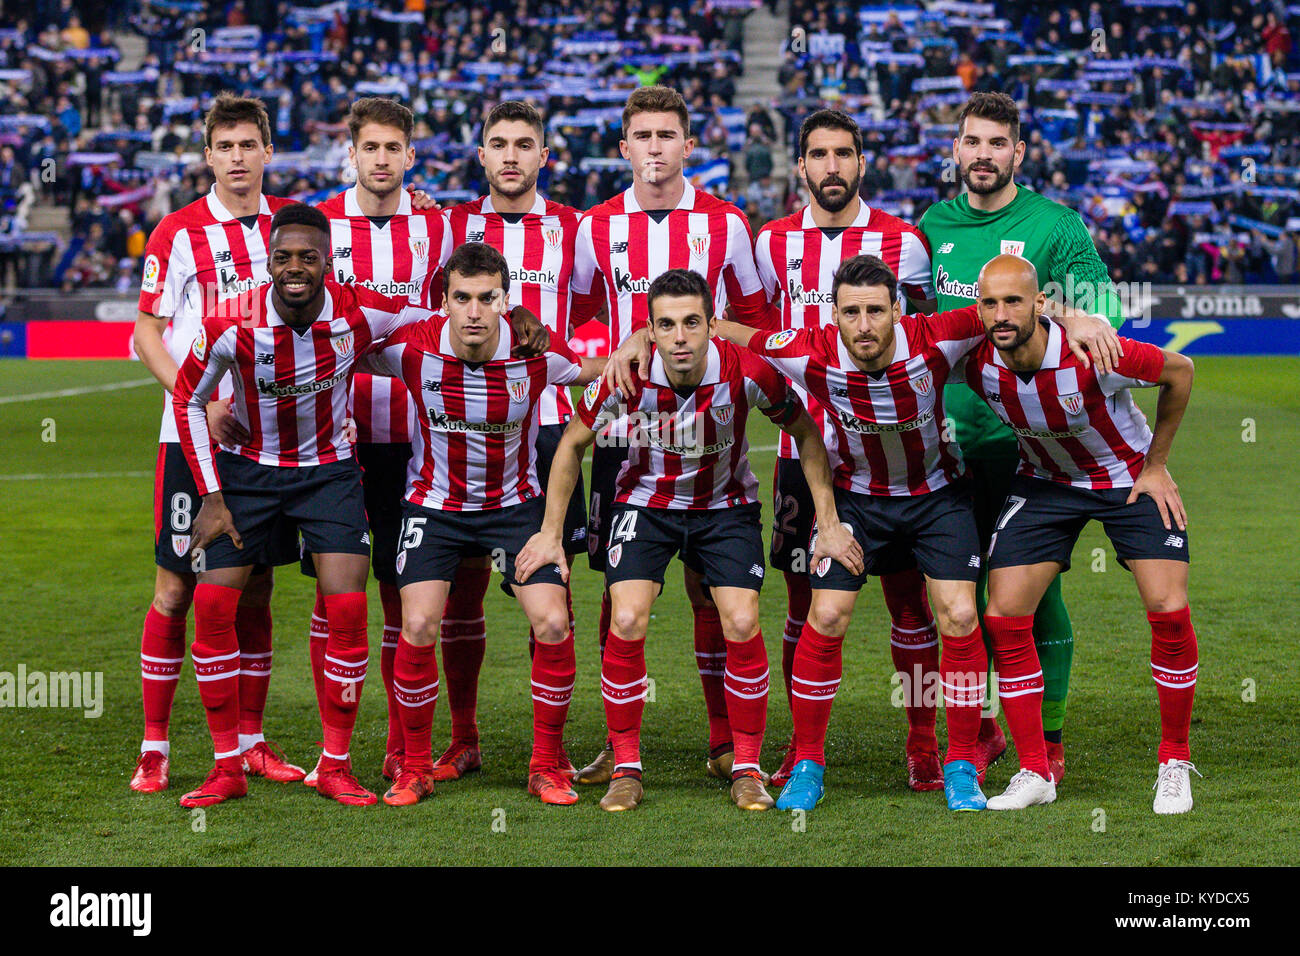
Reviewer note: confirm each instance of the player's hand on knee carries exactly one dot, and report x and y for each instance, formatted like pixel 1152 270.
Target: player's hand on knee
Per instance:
pixel 1097 342
pixel 224 427
pixel 541 550
pixel 836 541
pixel 213 520
pixel 1156 482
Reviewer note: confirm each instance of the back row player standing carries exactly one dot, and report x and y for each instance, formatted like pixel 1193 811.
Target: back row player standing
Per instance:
pixel 662 222
pixel 998 217
pixel 797 258
pixel 197 259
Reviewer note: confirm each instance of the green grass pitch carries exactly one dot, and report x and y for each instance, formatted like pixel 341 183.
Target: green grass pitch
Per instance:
pixel 77 570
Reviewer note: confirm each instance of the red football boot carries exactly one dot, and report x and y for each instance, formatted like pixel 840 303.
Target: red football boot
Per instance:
pixel 990 745
pixel 460 758
pixel 552 786
pixel 924 771
pixel 393 764
pixel 339 784
pixel 226 781
pixel 150 772
pixel 262 760
pixel 409 788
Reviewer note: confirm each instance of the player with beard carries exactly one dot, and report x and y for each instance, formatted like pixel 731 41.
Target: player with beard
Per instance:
pixel 537 237
pixel 198 257
pixel 997 216
pixel 797 257
pixel 662 222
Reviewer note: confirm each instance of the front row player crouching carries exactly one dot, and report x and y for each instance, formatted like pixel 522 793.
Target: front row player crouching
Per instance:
pixel 686 489
pixel 1085 452
pixel 880 377
pixel 472 491
pixel 291 347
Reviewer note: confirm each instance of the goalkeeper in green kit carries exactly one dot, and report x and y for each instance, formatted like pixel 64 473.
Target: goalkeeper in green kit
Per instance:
pixel 996 216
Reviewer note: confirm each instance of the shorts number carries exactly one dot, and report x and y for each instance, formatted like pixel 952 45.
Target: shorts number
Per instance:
pixel 787 515
pixel 624 527
pixel 413 534
pixel 1014 504
pixel 181 505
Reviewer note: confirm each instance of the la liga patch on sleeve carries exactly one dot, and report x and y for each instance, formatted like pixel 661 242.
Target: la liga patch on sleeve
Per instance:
pixel 780 340
pixel 151 268
pixel 590 393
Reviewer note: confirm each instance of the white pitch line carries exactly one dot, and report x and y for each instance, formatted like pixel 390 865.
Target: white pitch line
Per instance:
pixel 77 474
pixel 70 392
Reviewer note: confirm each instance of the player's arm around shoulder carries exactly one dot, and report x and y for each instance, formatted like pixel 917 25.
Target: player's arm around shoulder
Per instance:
pixel 1173 373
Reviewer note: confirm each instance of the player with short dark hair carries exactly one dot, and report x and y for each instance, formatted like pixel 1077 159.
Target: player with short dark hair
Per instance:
pixel 197 258
pixel 472 491
pixel 685 489
pixel 879 375
pixel 291 348
pixel 797 258
pixel 662 222
pixel 537 238
pixel 1086 453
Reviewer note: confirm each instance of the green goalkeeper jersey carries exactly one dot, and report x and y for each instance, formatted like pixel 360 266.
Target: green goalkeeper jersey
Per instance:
pixel 1048 234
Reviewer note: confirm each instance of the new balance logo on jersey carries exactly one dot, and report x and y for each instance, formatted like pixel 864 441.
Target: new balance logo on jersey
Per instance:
pixel 343 252
pixel 945 248
pixel 476 236
pixel 223 256
pixel 624 282
pixel 793 265
pixel 1173 541
pixel 431 386
pixel 839 391
pixel 618 248
pixel 264 358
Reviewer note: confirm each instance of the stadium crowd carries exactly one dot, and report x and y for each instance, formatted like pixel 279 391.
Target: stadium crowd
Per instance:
pixel 1173 128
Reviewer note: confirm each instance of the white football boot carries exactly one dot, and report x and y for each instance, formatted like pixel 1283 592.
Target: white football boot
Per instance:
pixel 1027 789
pixel 1173 787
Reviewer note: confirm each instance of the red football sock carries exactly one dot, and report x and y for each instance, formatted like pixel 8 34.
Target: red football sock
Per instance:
pixel 554 666
pixel 162 653
pixel 964 668
pixel 710 661
pixel 253 631
pixel 415 688
pixel 818 666
pixel 464 636
pixel 798 591
pixel 623 684
pixel 745 681
pixel 1020 686
pixel 346 656
pixel 914 647
pixel 391 599
pixel 1173 666
pixel 317 637
pixel 216 664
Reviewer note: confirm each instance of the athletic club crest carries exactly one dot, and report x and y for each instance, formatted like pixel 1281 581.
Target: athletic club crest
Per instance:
pixel 401 560
pixel 1010 247
pixel 699 243
pixel 553 237
pixel 181 544
pixel 342 344
pixel 722 413
pixel 420 248
pixel 922 384
pixel 518 389
pixel 1072 403
pixel 615 555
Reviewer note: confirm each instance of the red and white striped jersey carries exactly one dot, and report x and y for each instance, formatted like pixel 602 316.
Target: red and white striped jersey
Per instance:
pixel 539 247
pixel 400 256
pixel 691 452
pixel 623 248
pixel 888 430
pixel 1073 426
pixel 797 261
pixel 291 386
pixel 475 447
pixel 196 257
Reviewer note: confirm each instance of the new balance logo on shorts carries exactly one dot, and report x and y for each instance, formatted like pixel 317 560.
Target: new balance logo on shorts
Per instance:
pixel 1173 541
pixel 974 561
pixel 756 570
